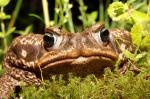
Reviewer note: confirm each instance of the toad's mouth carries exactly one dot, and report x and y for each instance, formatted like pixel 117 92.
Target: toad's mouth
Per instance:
pixel 81 64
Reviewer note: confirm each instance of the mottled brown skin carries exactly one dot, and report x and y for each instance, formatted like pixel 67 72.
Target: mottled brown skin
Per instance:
pixel 29 59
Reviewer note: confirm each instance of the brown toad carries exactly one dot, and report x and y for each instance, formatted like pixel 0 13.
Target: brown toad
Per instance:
pixel 34 57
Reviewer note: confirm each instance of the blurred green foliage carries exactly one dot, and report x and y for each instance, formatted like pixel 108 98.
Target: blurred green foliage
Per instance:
pixel 7 29
pixel 124 14
pixel 86 18
pixel 4 3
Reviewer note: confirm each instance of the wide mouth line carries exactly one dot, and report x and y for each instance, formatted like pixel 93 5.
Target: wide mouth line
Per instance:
pixel 70 59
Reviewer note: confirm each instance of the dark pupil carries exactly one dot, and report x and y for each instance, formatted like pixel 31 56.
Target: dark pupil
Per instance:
pixel 48 40
pixel 104 34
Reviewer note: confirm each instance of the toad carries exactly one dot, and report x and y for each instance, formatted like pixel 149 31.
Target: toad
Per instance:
pixel 35 57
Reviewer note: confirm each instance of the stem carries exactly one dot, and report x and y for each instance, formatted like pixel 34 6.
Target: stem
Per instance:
pixel 148 10
pixel 83 12
pixel 46 13
pixel 55 13
pixel 101 11
pixel 71 26
pixel 2 26
pixel 2 23
pixel 106 15
pixel 15 14
pixel 61 14
pixel 115 0
pixel 4 32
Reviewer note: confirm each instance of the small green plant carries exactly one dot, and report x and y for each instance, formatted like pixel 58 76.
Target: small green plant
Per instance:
pixel 139 22
pixel 62 15
pixel 4 34
pixel 87 18
pixel 6 30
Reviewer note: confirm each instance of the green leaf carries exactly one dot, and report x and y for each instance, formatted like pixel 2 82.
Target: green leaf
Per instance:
pixel 1 51
pixel 37 16
pixel 26 31
pixel 91 18
pixel 132 56
pixel 129 55
pixel 1 35
pixel 3 16
pixel 118 11
pixel 145 61
pixel 11 30
pixel 131 1
pixel 4 3
pixel 148 58
pixel 146 26
pixel 146 42
pixel 136 34
pixel 139 17
pixel 1 70
pixel 139 56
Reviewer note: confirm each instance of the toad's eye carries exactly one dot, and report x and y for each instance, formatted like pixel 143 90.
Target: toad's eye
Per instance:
pixel 104 35
pixel 49 39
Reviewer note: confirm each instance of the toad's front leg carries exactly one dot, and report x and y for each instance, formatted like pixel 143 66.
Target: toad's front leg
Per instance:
pixel 13 78
pixel 7 85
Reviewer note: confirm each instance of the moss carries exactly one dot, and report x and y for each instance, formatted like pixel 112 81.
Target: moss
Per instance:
pixel 111 86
